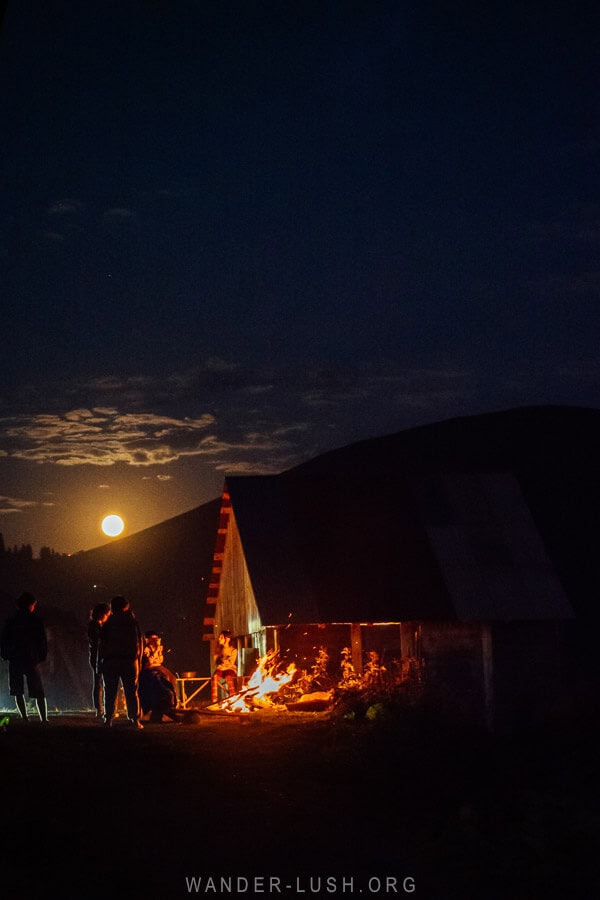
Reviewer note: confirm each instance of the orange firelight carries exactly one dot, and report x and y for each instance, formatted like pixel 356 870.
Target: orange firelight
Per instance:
pixel 265 680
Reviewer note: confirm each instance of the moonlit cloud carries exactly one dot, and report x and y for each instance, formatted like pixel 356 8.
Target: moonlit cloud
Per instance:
pixel 227 414
pixel 10 505
pixel 249 468
pixel 213 445
pixel 65 207
pixel 81 436
pixel 287 430
pixel 104 437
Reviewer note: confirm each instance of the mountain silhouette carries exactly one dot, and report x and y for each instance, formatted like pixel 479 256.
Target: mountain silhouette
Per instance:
pixel 163 571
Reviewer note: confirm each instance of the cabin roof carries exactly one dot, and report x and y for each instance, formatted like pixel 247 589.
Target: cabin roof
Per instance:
pixel 470 519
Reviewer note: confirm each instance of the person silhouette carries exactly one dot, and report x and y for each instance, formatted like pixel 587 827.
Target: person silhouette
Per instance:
pixel 24 644
pixel 225 666
pixel 158 685
pixel 98 616
pixel 120 654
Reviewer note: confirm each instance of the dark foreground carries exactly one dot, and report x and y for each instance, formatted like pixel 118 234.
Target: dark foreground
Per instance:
pixel 297 807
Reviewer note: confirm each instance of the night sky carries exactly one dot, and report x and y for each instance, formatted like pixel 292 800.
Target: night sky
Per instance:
pixel 235 235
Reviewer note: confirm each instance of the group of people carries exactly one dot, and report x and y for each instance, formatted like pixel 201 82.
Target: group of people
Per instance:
pixel 116 653
pixel 119 655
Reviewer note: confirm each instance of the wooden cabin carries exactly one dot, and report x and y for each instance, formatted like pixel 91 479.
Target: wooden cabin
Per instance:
pixel 418 546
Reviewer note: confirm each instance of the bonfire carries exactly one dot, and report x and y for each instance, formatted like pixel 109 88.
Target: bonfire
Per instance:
pixel 265 682
pixel 273 688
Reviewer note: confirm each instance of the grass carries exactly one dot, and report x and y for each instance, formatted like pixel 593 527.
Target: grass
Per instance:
pixel 95 811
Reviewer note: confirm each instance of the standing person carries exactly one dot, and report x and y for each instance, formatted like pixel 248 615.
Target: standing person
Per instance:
pixel 225 666
pixel 98 617
pixel 120 654
pixel 23 643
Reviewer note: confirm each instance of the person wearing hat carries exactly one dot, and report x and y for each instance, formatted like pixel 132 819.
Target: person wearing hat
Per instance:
pixel 23 643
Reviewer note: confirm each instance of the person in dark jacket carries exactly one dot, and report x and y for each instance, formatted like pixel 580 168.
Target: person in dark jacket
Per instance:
pixel 23 643
pixel 120 654
pixel 98 617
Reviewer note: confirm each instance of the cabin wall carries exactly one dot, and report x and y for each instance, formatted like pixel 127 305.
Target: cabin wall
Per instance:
pixel 454 668
pixel 531 677
pixel 501 675
pixel 235 608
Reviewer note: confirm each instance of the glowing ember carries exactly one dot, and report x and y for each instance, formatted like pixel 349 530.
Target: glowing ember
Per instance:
pixel 265 680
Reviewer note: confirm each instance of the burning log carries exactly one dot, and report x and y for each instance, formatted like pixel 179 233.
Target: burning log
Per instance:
pixel 317 701
pixel 265 680
pixel 236 702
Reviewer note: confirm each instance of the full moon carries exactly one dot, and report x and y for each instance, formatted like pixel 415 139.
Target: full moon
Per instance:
pixel 112 525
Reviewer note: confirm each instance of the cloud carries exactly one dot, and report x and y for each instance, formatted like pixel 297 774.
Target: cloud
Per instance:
pixel 252 442
pixel 15 505
pixel 297 413
pixel 119 212
pixel 65 207
pixel 392 388
pixel 102 437
pixel 238 418
pixel 297 428
pixel 249 468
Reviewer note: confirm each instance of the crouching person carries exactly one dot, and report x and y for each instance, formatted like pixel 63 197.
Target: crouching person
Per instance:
pixel 158 685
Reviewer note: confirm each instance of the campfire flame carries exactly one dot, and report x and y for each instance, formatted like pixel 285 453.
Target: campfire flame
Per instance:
pixel 265 680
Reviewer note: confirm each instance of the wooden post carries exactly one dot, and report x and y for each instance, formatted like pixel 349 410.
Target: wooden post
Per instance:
pixel 487 652
pixel 356 641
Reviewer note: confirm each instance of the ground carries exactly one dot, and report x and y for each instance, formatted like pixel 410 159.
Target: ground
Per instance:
pixel 376 807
